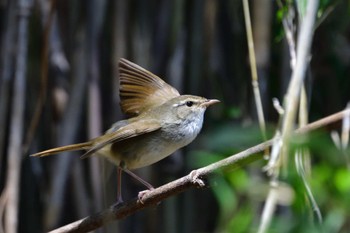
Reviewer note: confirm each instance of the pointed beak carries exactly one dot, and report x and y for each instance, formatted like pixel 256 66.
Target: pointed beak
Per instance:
pixel 210 102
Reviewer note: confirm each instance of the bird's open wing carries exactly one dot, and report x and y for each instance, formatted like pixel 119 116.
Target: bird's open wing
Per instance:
pixel 141 89
pixel 131 130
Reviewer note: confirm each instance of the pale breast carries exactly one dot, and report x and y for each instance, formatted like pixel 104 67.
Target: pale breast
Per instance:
pixel 149 148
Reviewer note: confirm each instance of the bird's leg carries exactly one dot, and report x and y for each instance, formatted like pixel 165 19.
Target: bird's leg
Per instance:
pixel 139 179
pixel 119 186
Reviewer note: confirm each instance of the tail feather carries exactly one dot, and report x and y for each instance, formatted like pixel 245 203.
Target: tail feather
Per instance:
pixel 73 147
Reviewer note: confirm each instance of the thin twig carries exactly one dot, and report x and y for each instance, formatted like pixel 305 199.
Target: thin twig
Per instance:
pixel 301 171
pixel 289 30
pixel 325 14
pixel 43 75
pixel 342 142
pixel 345 130
pixel 153 197
pixel 302 156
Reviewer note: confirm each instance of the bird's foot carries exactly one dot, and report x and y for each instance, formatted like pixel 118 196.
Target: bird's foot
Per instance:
pixel 194 176
pixel 119 201
pixel 141 194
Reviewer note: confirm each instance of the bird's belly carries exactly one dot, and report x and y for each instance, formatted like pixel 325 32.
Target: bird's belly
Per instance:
pixel 143 151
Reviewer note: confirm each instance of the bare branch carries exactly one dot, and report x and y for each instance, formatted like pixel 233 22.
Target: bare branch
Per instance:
pixel 193 179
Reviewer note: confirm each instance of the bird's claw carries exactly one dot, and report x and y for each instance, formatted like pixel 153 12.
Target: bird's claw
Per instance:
pixel 196 180
pixel 142 194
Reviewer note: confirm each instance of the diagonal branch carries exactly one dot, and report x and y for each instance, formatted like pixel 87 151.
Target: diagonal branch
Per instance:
pixel 191 180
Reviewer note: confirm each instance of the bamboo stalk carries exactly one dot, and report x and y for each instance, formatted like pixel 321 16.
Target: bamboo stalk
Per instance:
pixel 299 66
pixel 302 56
pixel 15 151
pixel 254 73
pixel 7 60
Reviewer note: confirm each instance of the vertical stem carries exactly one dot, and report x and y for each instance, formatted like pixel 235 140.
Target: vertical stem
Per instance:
pixel 292 99
pixel 17 117
pixel 70 126
pixel 303 50
pixel 7 59
pixel 43 75
pixel 269 208
pixel 96 9
pixel 255 82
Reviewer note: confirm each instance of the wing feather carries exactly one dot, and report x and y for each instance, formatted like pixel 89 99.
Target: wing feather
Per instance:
pixel 141 89
pixel 134 129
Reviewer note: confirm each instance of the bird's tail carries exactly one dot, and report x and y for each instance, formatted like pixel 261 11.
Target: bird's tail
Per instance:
pixel 73 147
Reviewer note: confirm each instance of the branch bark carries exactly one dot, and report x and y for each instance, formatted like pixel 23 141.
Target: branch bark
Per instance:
pixel 194 179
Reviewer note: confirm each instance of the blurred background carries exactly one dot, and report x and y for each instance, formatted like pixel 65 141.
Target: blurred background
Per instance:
pixel 59 85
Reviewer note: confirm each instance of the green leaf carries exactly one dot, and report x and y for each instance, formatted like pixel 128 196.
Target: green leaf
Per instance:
pixel 342 181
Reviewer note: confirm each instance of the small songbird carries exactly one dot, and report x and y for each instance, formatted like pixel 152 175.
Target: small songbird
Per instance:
pixel 161 122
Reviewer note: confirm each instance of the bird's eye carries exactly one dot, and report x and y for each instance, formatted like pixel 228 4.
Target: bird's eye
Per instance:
pixel 189 103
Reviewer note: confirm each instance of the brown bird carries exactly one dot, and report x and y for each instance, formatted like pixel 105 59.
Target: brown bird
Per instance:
pixel 161 121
